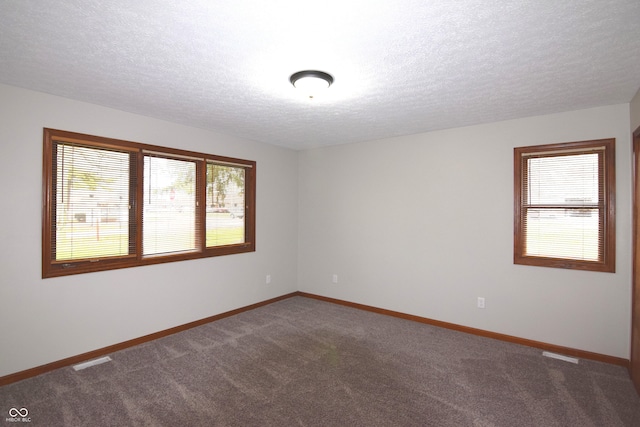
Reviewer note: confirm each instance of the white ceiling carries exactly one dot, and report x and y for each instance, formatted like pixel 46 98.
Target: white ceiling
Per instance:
pixel 400 66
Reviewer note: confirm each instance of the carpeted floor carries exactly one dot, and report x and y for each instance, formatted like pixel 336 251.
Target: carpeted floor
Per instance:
pixel 303 362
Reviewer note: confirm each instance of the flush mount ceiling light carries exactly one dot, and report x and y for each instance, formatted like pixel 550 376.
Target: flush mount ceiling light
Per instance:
pixel 311 81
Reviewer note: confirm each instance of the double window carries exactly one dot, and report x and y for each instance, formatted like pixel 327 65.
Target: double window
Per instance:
pixel 565 205
pixel 112 204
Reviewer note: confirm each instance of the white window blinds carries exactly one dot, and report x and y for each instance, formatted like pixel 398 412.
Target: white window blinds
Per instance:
pixel 92 202
pixel 169 206
pixel 563 206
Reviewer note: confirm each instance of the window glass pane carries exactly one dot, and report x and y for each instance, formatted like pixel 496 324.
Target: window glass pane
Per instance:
pixel 563 233
pixel 225 205
pixel 569 179
pixel 169 212
pixel 92 203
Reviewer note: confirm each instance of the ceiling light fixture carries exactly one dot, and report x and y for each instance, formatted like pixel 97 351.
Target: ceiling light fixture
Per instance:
pixel 311 81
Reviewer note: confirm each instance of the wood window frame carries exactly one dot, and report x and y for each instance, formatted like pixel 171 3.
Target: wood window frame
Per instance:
pixel 53 268
pixel 606 261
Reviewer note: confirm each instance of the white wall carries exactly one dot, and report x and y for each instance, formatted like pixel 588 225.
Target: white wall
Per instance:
pixel 423 225
pixel 635 112
pixel 47 320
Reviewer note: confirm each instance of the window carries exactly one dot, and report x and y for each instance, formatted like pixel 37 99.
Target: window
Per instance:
pixel 565 205
pixel 112 204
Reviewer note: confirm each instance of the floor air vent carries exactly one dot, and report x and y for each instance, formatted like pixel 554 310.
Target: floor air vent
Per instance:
pixel 560 357
pixel 93 362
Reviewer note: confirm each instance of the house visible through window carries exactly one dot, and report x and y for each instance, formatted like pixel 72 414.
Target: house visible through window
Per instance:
pixel 91 189
pixel 225 204
pixel 565 205
pixel 113 204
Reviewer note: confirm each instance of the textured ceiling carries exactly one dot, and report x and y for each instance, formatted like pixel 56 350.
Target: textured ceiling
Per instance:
pixel 400 66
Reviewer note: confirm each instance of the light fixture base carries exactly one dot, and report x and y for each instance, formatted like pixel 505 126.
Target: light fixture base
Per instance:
pixel 311 81
pixel 311 74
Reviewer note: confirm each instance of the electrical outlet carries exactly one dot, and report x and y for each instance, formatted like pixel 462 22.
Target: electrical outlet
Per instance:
pixel 335 278
pixel 480 302
pixel 268 279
